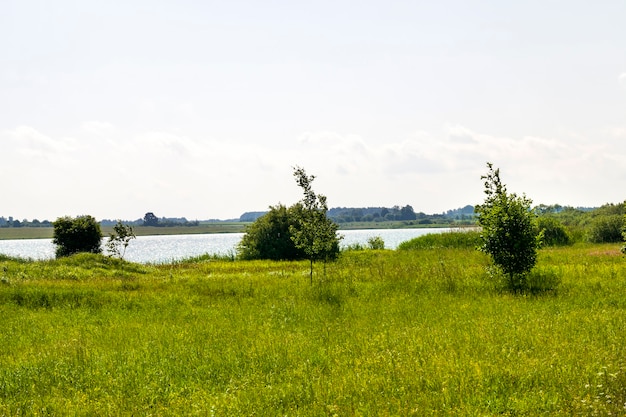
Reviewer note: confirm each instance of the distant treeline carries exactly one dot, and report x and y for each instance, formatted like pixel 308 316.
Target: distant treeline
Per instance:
pixel 461 216
pixel 146 221
pixel 150 219
pixel 11 222
pixel 381 214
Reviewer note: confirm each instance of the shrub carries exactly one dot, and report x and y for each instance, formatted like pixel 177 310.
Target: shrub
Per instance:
pixel 606 229
pixel 373 243
pixel 354 247
pixel 554 233
pixel 376 243
pixel 269 237
pixel 74 235
pixel 302 231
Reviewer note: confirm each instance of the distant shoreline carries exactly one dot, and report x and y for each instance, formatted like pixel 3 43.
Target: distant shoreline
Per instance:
pixel 10 233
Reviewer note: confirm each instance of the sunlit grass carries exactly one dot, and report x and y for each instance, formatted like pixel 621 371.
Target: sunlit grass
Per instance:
pixel 415 332
pixel 456 238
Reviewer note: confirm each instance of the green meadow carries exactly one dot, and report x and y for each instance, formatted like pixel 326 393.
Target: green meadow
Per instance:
pixel 419 331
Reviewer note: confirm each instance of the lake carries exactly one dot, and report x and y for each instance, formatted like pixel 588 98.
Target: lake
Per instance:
pixel 164 249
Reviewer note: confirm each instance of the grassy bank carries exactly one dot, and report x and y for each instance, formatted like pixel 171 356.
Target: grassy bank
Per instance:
pixel 413 332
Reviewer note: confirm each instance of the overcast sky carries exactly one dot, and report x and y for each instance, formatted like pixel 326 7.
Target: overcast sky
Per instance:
pixel 201 108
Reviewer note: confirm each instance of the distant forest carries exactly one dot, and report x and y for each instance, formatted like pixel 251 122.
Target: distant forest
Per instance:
pixel 148 220
pixel 460 216
pixel 381 214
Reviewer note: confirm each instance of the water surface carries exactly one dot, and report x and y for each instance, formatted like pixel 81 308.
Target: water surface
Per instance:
pixel 168 248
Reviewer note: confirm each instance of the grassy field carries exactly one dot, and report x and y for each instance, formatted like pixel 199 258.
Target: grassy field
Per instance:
pixel 406 332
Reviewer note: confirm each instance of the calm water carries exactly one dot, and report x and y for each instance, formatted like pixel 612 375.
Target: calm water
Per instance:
pixel 162 249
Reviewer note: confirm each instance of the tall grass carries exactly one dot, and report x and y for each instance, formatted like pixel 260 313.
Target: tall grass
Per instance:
pixel 410 332
pixel 459 239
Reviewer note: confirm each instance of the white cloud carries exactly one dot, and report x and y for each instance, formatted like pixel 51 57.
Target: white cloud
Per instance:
pixel 567 170
pixel 617 132
pixel 97 127
pixel 29 141
pixel 172 174
pixel 622 79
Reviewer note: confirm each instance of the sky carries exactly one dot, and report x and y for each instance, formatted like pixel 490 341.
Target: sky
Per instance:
pixel 201 109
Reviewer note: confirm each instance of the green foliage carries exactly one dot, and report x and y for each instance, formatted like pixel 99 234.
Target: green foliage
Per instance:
pixel 624 229
pixel 373 243
pixel 606 228
pixel 376 243
pixel 73 235
pixel 119 239
pixel 553 232
pixel 313 232
pixel 269 237
pixel 599 225
pixel 454 239
pixel 509 230
pixel 302 231
pixel 149 219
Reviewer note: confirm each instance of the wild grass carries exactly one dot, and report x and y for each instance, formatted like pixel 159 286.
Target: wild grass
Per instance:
pixel 456 238
pixel 413 332
pixel 25 233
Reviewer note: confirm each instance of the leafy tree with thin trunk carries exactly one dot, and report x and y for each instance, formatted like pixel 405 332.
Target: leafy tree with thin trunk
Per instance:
pixel 120 239
pixel 314 233
pixel 74 235
pixel 509 231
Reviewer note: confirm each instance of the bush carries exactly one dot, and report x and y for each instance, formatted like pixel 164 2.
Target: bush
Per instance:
pixel 376 243
pixel 606 229
pixel 74 235
pixel 554 233
pixel 269 237
pixel 373 243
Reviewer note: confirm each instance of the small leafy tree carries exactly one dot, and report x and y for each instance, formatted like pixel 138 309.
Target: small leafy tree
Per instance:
pixel 74 235
pixel 120 239
pixel 314 233
pixel 509 230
